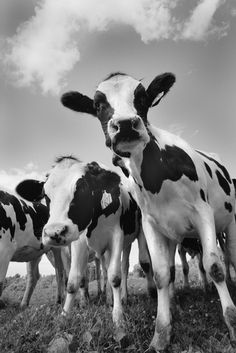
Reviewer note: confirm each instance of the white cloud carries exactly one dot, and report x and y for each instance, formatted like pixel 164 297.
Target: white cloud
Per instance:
pixel 200 23
pixel 9 179
pixel 45 48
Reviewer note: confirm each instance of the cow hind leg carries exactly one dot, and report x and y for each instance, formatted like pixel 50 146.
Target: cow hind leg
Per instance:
pixel 230 247
pixel 214 268
pixel 5 257
pixel 32 279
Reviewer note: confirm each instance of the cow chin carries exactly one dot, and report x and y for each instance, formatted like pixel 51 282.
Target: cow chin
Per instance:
pixel 125 148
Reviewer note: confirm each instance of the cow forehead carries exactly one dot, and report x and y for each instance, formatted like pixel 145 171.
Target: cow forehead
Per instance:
pixel 119 89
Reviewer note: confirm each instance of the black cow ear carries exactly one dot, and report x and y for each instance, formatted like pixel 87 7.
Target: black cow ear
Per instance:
pixel 159 87
pixel 78 102
pixel 31 190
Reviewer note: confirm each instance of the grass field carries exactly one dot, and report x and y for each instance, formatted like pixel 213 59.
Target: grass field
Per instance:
pixel 198 325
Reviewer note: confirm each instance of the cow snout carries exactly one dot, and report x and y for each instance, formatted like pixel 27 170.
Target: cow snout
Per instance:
pixel 55 234
pixel 125 125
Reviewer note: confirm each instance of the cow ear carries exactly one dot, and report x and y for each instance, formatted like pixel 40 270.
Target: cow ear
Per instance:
pixel 159 87
pixel 31 190
pixel 78 102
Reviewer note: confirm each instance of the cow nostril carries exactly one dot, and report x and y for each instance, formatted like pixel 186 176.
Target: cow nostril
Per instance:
pixel 135 122
pixel 114 126
pixel 64 230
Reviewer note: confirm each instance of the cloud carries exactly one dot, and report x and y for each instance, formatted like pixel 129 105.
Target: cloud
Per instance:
pixel 200 23
pixel 45 48
pixel 9 179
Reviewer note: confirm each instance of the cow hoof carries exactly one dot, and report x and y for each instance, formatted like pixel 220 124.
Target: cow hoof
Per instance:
pixel 23 306
pixel 122 338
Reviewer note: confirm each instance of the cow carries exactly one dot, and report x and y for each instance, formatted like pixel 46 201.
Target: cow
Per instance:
pixel 88 197
pixel 21 225
pixel 182 192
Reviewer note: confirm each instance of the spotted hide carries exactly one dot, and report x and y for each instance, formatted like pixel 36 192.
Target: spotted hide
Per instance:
pixel 21 226
pixel 181 192
pixel 89 200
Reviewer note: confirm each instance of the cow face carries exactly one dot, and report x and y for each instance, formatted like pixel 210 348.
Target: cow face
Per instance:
pixel 77 194
pixel 121 104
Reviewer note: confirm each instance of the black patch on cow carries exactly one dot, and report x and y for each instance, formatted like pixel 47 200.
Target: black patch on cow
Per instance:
pixel 71 288
pixel 172 274
pixel 203 195
pixel 228 206
pixel 86 207
pixel 81 207
pixel 208 169
pixel 116 281
pixel 222 168
pixel 38 213
pixel 217 273
pixel 141 102
pixel 159 165
pixel 223 182
pixel 129 216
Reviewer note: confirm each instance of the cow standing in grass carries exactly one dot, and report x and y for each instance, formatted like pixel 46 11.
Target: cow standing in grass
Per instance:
pixel 181 192
pixel 21 226
pixel 85 197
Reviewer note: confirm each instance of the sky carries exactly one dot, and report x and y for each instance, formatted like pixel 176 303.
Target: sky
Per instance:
pixel 48 47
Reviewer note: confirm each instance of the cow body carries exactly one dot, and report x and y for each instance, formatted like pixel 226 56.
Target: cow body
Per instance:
pixel 21 227
pixel 181 192
pixel 86 198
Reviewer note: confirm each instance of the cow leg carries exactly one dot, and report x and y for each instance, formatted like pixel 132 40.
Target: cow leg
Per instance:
pixel 230 248
pixel 114 277
pixel 32 279
pixel 104 274
pixel 145 263
pixel 98 275
pixel 60 274
pixel 185 266
pixel 79 262
pixel 172 247
pixel 124 273
pixel 202 272
pixel 6 253
pixel 213 266
pixel 158 247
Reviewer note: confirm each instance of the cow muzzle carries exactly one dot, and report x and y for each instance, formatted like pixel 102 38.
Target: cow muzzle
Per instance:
pixel 55 234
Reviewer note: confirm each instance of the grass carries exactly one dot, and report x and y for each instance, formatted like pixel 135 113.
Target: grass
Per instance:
pixel 198 325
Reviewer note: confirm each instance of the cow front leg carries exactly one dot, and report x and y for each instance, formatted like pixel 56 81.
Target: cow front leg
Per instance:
pixel 60 274
pixel 79 261
pixel 145 263
pixel 32 279
pixel 158 247
pixel 214 268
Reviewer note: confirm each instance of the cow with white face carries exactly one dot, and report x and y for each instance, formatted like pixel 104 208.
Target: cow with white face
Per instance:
pixel 21 226
pixel 181 192
pixel 86 198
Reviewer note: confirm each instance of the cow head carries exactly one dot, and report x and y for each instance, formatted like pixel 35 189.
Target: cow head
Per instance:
pixel 121 104
pixel 70 189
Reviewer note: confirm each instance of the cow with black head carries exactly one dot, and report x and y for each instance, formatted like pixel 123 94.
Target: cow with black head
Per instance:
pixel 181 192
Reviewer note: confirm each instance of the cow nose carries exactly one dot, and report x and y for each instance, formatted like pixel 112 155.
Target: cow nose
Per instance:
pixel 125 125
pixel 55 231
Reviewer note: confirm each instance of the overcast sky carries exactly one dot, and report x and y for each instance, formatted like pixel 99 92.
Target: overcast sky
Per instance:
pixel 51 46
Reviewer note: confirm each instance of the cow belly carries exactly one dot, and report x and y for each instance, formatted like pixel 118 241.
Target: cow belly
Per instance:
pixel 26 253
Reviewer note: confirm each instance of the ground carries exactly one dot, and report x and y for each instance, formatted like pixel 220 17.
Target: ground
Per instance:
pixel 198 326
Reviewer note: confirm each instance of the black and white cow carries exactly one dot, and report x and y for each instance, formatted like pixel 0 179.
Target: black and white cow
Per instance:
pixel 85 197
pixel 21 226
pixel 181 192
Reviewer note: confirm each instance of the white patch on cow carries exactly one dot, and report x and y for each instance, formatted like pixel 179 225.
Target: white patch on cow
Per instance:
pixel 106 200
pixel 119 91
